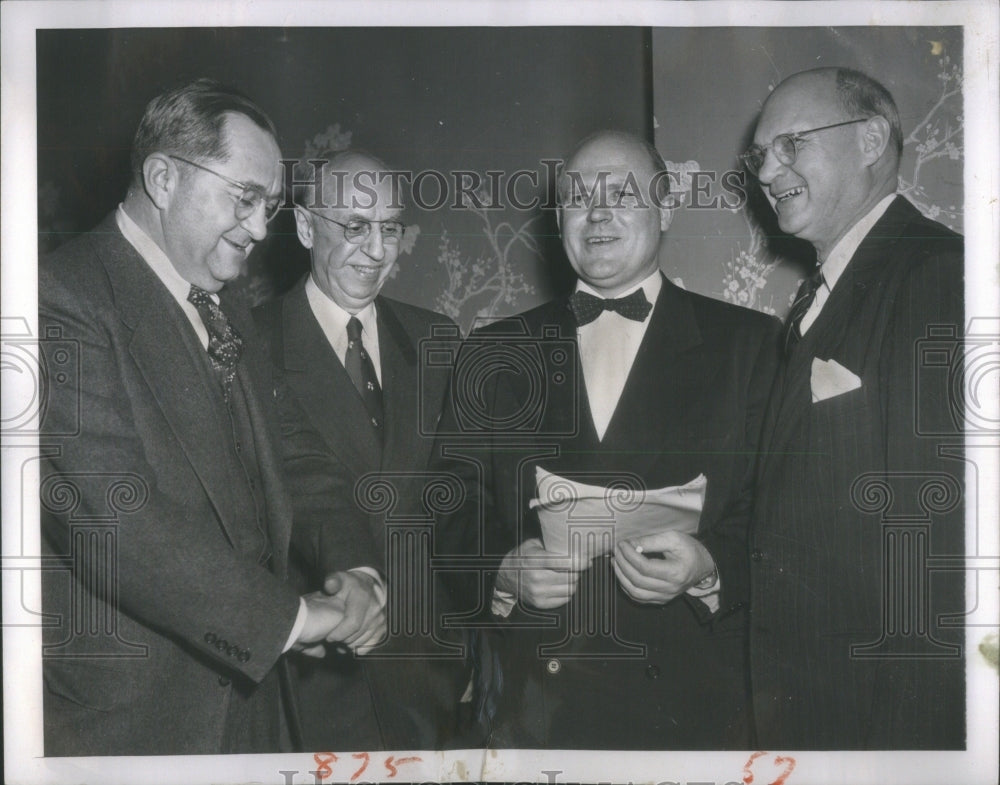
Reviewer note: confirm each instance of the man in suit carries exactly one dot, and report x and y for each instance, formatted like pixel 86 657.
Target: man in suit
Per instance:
pixel 350 359
pixel 641 384
pixel 843 655
pixel 162 495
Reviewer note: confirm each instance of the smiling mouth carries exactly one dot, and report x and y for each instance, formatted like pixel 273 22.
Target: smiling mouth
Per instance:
pixel 783 197
pixel 366 272
pixel 241 248
pixel 600 240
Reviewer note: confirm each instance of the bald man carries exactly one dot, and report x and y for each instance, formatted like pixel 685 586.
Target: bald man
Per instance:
pixel 847 651
pixel 350 360
pixel 640 648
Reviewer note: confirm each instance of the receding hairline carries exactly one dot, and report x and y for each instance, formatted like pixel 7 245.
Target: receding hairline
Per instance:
pixel 641 146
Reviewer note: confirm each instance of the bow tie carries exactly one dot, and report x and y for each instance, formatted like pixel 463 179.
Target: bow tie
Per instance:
pixel 586 307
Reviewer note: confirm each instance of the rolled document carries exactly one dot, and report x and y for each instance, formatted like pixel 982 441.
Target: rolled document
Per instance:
pixel 593 518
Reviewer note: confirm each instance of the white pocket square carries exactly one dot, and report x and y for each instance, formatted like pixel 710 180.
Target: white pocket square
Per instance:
pixel 830 379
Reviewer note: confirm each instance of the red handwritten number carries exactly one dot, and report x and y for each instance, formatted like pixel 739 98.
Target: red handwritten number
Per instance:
pixel 392 767
pixel 361 756
pixel 323 761
pixel 779 760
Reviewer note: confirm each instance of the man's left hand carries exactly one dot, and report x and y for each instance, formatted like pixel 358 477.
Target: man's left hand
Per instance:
pixel 684 562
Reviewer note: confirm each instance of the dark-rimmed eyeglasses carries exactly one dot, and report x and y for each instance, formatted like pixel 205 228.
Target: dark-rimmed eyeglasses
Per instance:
pixel 357 230
pixel 784 146
pixel 251 197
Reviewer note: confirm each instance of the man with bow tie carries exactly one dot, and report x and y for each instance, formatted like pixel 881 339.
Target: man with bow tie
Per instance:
pixel 162 495
pixel 846 647
pixel 640 648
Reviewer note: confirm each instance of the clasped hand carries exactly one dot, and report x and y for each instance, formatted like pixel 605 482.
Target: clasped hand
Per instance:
pixel 538 577
pixel 347 611
pixel 680 561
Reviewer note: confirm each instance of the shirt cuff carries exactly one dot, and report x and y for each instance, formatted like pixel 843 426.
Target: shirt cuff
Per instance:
pixel 379 586
pixel 503 603
pixel 300 622
pixel 708 594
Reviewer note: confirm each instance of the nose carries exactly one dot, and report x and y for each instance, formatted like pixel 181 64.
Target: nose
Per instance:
pixel 770 168
pixel 598 212
pixel 374 247
pixel 256 224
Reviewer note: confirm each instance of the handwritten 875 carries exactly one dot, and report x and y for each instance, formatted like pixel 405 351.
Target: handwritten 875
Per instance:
pixel 356 764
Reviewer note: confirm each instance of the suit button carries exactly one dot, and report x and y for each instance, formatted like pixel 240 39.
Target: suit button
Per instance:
pixel 221 644
pixel 244 656
pixel 210 638
pixel 652 671
pixel 553 666
pixel 757 554
pixel 224 682
pixel 239 447
pixel 232 650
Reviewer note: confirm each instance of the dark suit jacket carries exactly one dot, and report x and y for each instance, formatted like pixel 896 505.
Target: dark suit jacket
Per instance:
pixel 619 674
pixel 817 559
pixel 407 703
pixel 137 499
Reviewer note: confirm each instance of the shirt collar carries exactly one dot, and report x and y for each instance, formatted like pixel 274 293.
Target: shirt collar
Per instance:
pixel 335 318
pixel 651 286
pixel 154 256
pixel 835 264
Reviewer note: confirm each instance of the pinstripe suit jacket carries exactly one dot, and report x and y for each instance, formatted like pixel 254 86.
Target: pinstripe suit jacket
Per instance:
pixel 820 560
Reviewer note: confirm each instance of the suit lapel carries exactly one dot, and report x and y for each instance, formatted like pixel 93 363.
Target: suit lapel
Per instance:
pixel 398 360
pixel 658 383
pixel 318 377
pixel 166 350
pixel 828 333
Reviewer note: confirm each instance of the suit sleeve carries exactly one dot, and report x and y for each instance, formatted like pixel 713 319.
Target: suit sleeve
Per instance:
pixel 726 540
pixel 175 571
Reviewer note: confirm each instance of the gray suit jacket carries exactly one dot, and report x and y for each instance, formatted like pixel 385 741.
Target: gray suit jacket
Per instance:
pixel 161 625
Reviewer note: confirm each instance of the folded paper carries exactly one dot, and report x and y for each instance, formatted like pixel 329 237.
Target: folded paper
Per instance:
pixel 593 518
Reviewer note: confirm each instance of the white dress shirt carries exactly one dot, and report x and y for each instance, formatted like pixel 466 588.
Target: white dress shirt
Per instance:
pixel 836 262
pixel 333 321
pixel 608 346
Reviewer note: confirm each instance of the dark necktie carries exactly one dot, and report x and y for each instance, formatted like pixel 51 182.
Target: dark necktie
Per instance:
pixel 803 301
pixel 224 344
pixel 586 307
pixel 362 372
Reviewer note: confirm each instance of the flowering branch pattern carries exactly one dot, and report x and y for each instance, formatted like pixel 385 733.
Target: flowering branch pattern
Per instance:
pixel 938 135
pixel 492 275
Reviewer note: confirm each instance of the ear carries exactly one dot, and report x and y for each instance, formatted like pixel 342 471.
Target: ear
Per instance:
pixel 666 216
pixel 559 211
pixel 159 179
pixel 874 138
pixel 304 226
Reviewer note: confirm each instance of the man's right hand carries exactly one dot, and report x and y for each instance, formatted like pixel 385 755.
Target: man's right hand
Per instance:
pixel 538 577
pixel 323 614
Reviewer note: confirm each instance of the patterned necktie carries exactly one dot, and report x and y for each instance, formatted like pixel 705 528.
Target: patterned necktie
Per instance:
pixel 224 344
pixel 803 300
pixel 586 307
pixel 362 372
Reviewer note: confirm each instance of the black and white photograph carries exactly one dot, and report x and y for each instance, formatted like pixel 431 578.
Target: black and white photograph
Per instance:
pixel 489 392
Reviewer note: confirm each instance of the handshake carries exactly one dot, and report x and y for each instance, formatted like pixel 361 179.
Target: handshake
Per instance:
pixel 350 611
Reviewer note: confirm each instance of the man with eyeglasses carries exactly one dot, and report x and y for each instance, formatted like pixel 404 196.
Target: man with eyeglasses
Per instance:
pixel 847 651
pixel 163 503
pixel 350 358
